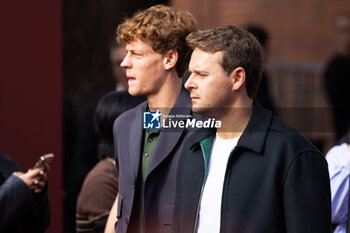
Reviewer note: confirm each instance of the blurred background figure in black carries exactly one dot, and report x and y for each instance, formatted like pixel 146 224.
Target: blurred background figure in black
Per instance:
pixel 117 54
pixel 337 77
pixel 263 96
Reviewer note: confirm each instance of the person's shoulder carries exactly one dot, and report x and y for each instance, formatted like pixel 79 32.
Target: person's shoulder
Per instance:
pixel 103 173
pixel 4 157
pixel 7 165
pixel 286 135
pixel 103 166
pixel 102 177
pixel 339 154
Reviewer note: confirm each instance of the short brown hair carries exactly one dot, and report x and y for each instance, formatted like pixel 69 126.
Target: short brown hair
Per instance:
pixel 239 47
pixel 165 27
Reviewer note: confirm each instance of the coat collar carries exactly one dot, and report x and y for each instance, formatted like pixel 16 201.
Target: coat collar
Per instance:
pixel 169 138
pixel 135 140
pixel 254 135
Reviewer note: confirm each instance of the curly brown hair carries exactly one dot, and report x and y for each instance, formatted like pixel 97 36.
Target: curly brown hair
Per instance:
pixel 239 47
pixel 165 27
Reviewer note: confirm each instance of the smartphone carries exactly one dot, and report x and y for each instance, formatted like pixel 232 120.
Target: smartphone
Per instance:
pixel 47 158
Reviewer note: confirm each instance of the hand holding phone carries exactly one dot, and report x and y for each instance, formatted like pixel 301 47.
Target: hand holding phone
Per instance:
pixel 43 164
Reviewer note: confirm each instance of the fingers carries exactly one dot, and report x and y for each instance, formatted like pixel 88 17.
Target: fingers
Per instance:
pixel 18 173
pixel 35 178
pixel 40 181
pixel 38 173
pixel 31 173
pixel 39 185
pixel 38 190
pixel 43 176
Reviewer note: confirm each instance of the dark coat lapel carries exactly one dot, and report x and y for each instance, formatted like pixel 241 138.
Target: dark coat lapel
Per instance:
pixel 135 139
pixel 168 138
pixel 7 165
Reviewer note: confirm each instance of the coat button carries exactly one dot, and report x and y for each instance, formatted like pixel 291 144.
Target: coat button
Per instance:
pixel 126 221
pixel 133 186
pixel 146 154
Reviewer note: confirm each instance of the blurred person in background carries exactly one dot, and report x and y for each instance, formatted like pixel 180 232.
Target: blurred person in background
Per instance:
pixel 24 203
pixel 338 159
pixel 263 96
pixel 337 77
pixel 117 54
pixel 100 186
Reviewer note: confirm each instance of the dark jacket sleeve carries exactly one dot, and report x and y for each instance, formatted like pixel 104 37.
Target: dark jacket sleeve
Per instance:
pixel 42 212
pixel 15 199
pixel 18 202
pixel 20 209
pixel 306 183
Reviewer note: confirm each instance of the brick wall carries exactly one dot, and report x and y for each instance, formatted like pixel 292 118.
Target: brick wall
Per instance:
pixel 300 30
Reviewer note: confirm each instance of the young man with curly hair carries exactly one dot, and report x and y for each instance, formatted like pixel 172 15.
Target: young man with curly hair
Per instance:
pixel 157 57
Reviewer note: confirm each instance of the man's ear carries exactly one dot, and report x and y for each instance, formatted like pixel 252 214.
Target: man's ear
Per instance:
pixel 170 59
pixel 237 78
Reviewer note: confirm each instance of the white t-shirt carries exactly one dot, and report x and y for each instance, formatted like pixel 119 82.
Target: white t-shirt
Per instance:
pixel 210 206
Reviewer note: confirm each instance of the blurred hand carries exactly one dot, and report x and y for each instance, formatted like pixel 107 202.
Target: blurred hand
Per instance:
pixel 110 224
pixel 35 178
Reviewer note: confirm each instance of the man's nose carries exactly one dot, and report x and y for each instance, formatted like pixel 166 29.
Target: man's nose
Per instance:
pixel 126 62
pixel 189 83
